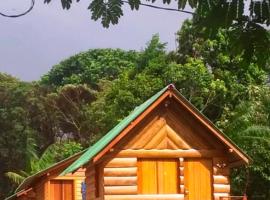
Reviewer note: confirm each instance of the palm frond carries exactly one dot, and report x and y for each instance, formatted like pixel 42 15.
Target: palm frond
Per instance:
pixel 14 177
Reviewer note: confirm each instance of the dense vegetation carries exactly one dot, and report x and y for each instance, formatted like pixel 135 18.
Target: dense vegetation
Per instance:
pixel 84 96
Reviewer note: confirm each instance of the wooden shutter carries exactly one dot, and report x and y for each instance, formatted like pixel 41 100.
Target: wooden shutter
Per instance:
pixel 147 176
pixel 198 179
pixel 167 176
pixel 61 190
pixel 158 176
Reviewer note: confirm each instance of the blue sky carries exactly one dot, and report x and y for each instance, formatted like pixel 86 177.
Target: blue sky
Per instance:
pixel 32 44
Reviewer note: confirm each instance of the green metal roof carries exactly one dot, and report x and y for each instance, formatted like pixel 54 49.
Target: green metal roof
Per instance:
pixel 105 140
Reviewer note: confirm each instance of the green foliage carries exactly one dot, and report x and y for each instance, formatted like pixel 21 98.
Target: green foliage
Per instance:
pixel 70 104
pixel 221 12
pixel 248 125
pixel 54 153
pixel 91 66
pixel 108 11
pixel 15 126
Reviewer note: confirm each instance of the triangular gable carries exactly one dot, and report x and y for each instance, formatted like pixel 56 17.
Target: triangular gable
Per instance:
pixel 118 132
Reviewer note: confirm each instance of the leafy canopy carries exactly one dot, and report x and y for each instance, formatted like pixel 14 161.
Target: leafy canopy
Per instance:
pixel 225 11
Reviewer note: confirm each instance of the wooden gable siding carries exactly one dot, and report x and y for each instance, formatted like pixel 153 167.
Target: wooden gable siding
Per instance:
pixel 169 128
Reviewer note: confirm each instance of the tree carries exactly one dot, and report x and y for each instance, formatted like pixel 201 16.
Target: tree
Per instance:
pixel 222 12
pixel 15 127
pixel 35 163
pixel 237 71
pixel 89 67
pixel 70 104
pixel 248 125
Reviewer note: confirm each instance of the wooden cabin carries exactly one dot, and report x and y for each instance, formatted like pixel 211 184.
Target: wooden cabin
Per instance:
pixel 164 150
pixel 50 185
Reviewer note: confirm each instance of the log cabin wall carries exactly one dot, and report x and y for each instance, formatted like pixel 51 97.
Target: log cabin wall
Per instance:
pixel 221 182
pixel 169 132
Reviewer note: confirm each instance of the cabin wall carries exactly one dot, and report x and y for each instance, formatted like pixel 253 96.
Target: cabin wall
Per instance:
pixel 169 132
pixel 221 181
pixel 119 179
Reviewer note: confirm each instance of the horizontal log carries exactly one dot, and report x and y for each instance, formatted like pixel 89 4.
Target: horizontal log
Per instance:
pixel 191 153
pixel 129 171
pixel 217 196
pixel 220 188
pixel 122 162
pixel 219 179
pixel 118 190
pixel 181 180
pixel 182 189
pixel 146 197
pixel 181 171
pixel 117 181
pixel 181 162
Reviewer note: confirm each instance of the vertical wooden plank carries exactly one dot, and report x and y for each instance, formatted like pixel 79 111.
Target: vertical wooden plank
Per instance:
pixel 100 180
pixel 198 179
pixel 47 190
pixel 55 190
pixel 147 176
pixel 168 182
pixel 67 190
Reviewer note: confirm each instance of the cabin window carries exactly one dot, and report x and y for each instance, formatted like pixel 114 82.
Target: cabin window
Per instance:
pixel 61 190
pixel 158 176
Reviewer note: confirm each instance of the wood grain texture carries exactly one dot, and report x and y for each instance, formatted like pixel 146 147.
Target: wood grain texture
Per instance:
pixel 158 176
pixel 146 135
pixel 146 197
pixel 118 181
pixel 168 182
pixel 198 175
pixel 128 171
pixel 218 195
pixel 221 188
pixel 207 124
pixel 167 153
pixel 118 190
pixel 61 189
pixel 131 126
pixel 220 179
pixel 156 139
pixel 122 162
pixel 147 176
